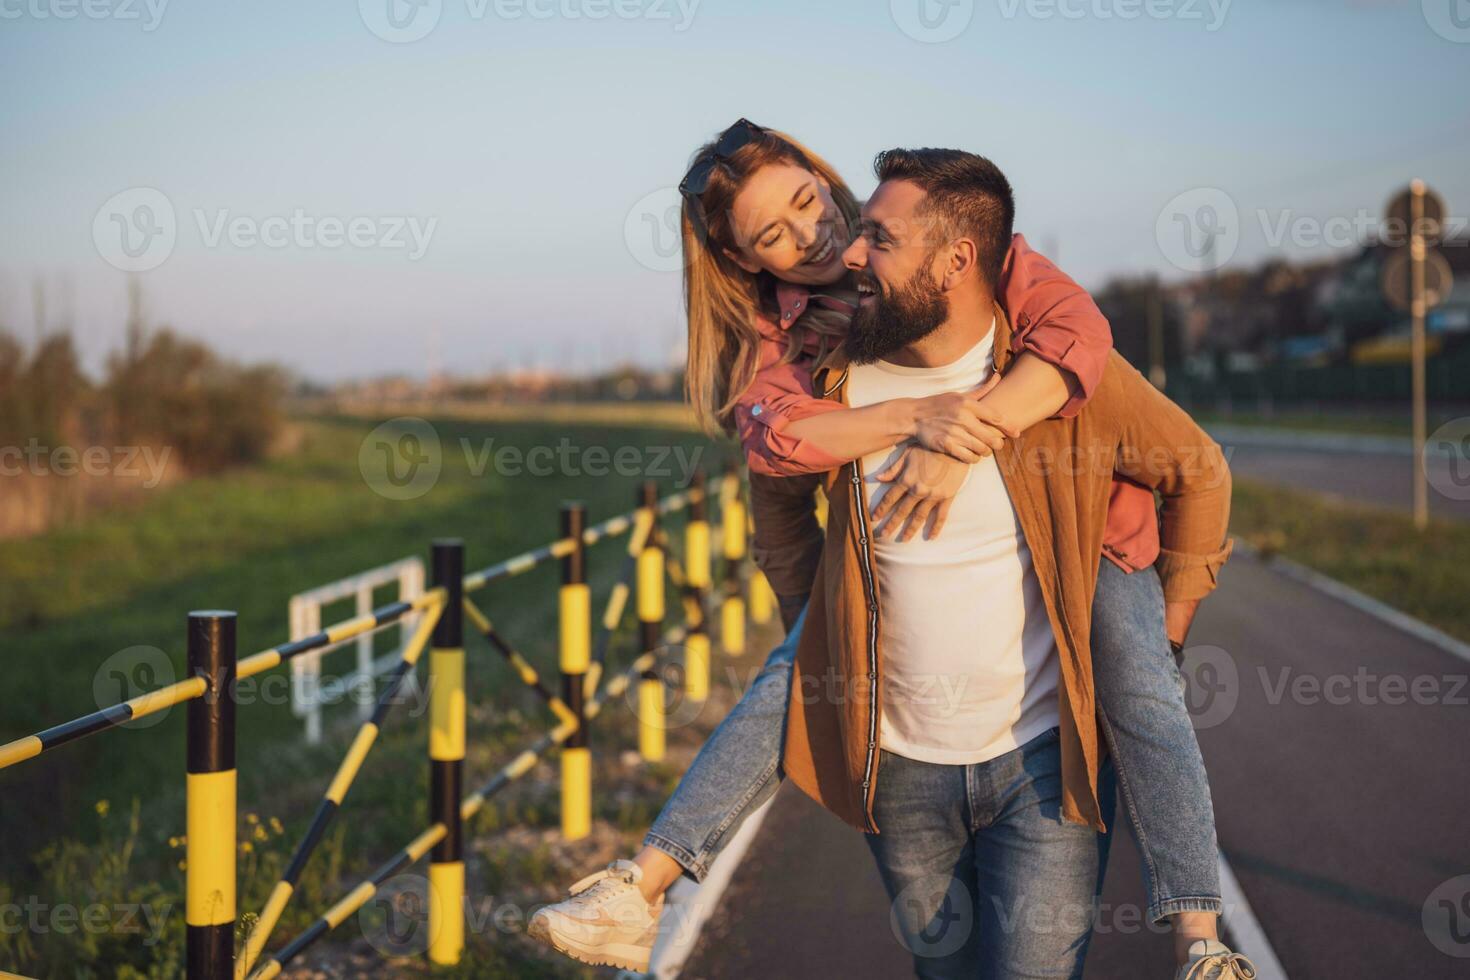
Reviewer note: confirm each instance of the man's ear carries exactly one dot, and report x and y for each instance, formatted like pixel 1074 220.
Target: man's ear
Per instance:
pixel 741 261
pixel 961 264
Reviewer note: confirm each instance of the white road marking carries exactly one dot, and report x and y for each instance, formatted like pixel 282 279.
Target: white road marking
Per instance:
pixel 689 906
pixel 1245 930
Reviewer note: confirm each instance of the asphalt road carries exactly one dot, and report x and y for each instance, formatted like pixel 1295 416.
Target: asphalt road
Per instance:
pixel 1379 479
pixel 1340 811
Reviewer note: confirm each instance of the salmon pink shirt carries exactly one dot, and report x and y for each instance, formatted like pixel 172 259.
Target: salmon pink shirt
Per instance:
pixel 1054 318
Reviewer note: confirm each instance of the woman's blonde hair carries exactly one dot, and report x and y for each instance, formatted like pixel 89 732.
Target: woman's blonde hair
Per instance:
pixel 722 299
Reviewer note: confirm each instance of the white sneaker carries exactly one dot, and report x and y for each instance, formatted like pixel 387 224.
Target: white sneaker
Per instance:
pixel 604 921
pixel 1211 960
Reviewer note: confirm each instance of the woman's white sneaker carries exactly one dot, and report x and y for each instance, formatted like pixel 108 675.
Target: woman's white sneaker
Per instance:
pixel 1211 960
pixel 604 920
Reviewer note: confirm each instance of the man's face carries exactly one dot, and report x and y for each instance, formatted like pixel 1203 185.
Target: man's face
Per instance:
pixel 897 268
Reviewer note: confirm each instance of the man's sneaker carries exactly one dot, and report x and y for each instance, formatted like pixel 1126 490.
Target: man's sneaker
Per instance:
pixel 604 921
pixel 1210 960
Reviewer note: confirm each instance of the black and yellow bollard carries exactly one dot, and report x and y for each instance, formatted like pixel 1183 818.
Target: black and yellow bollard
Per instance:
pixel 697 578
pixel 575 645
pixel 446 756
pixel 732 610
pixel 651 624
pixel 209 855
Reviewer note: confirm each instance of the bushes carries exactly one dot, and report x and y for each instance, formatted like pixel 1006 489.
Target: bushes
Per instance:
pixel 171 396
pixel 175 392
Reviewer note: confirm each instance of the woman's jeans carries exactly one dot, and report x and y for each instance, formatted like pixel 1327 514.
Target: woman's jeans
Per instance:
pixel 1160 772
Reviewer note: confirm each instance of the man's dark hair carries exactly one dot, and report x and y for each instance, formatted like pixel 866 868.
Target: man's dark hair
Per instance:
pixel 967 193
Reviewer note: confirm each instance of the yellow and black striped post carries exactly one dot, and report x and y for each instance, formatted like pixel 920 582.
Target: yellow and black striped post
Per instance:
pixel 575 645
pixel 732 610
pixel 697 578
pixel 651 623
pixel 446 756
pixel 209 856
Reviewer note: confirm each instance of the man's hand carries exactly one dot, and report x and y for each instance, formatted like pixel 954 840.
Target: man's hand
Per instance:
pixel 1178 616
pixel 921 484
pixel 953 423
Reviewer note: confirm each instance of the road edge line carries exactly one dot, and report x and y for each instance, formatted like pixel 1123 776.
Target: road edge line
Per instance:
pixel 1244 928
pixel 698 902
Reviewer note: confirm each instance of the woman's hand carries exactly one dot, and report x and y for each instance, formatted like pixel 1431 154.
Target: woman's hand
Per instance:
pixel 960 425
pixel 921 485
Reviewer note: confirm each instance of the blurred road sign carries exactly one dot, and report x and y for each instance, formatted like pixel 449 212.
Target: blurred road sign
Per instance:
pixel 1398 276
pixel 1399 223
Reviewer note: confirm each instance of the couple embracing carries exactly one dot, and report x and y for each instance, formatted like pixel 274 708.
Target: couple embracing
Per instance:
pixel 981 647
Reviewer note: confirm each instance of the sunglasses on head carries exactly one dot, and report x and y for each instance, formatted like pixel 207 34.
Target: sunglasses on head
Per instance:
pixel 739 135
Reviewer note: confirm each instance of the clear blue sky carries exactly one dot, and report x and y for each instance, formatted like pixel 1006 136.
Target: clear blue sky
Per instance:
pixel 530 140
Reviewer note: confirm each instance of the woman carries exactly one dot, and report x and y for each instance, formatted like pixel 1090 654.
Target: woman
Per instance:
pixel 765 223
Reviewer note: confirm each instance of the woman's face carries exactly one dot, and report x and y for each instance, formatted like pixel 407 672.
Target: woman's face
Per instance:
pixel 786 223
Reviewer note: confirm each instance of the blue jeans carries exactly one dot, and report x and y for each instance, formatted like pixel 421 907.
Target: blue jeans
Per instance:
pixel 1144 721
pixel 985 876
pixel 1161 774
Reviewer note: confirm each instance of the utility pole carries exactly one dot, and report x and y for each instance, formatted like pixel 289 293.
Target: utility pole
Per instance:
pixel 1156 372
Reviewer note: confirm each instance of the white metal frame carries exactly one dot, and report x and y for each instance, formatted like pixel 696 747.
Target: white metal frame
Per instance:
pixel 308 692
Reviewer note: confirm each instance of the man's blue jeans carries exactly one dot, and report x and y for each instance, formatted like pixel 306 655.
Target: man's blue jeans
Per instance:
pixel 1160 771
pixel 985 876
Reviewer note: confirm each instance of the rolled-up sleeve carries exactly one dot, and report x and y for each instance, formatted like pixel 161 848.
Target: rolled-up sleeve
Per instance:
pixel 1189 576
pixel 1055 319
pixel 780 395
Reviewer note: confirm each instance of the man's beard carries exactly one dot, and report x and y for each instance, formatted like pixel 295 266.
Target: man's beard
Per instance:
pixel 890 322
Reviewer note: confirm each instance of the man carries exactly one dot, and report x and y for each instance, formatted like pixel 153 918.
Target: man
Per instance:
pixel 958 669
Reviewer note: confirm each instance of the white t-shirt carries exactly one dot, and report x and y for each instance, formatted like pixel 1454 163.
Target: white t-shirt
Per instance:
pixel 970 665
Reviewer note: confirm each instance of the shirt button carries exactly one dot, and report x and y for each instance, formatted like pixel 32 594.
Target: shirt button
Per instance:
pixel 872 607
pixel 872 676
pixel 862 540
pixel 870 745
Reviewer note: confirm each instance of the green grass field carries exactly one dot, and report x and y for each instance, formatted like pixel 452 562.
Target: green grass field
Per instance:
pixel 1376 551
pixel 1370 423
pixel 246 541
